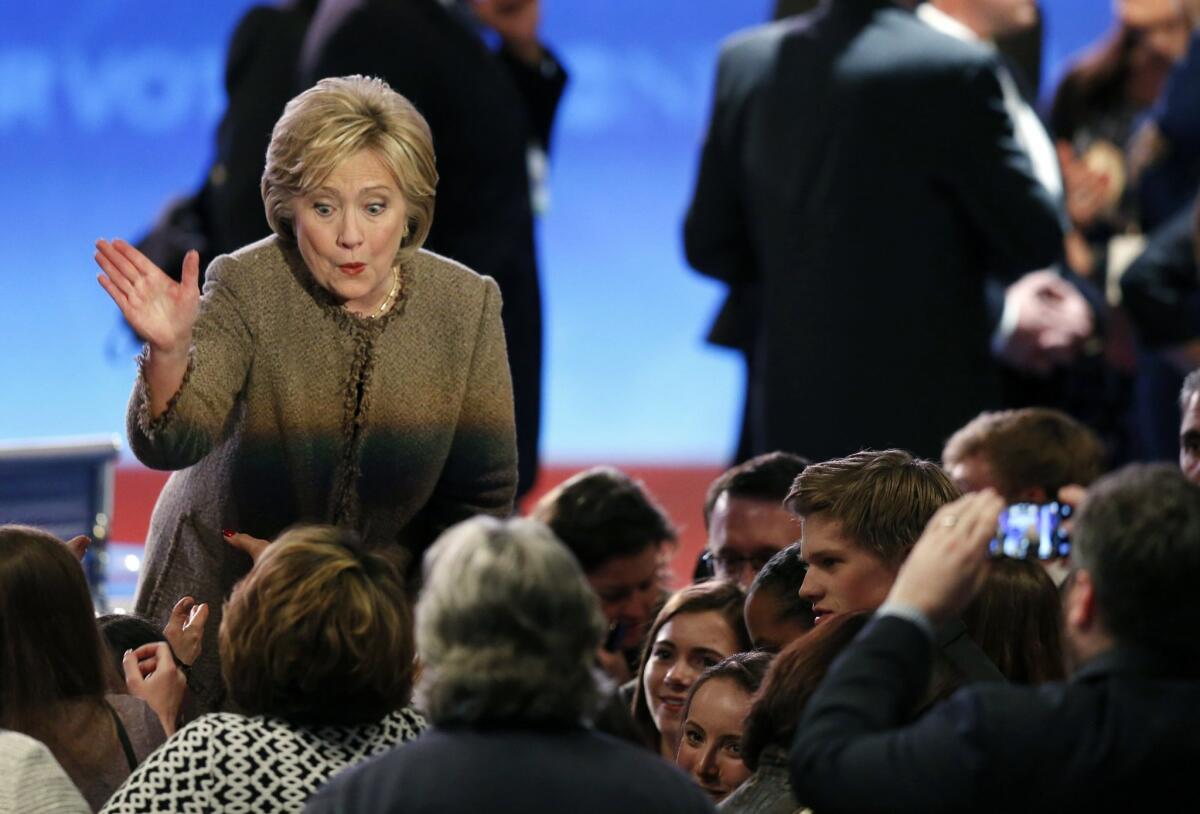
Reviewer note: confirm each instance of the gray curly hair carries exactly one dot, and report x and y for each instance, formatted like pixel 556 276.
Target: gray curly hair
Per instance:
pixel 507 627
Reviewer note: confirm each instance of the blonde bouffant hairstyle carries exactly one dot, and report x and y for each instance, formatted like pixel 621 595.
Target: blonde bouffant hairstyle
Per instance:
pixel 332 121
pixel 319 632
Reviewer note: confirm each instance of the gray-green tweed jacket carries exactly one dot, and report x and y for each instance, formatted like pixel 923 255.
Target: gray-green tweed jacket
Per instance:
pixel 295 411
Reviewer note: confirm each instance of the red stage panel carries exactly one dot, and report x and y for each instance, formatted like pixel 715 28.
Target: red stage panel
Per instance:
pixel 680 489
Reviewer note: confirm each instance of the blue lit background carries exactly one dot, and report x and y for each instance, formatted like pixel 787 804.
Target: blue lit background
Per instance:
pixel 107 109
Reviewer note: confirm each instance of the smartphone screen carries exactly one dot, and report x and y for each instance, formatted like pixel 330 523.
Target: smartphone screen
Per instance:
pixel 1032 531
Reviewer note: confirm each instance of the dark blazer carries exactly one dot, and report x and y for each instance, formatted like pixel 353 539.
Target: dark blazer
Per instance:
pixel 513 771
pixel 1161 288
pixel 1169 184
pixel 227 212
pixel 1023 49
pixel 1116 737
pixel 859 180
pixel 485 110
pixel 260 78
pixel 1161 294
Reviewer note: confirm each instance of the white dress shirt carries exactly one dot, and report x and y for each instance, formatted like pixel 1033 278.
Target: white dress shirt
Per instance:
pixel 1031 133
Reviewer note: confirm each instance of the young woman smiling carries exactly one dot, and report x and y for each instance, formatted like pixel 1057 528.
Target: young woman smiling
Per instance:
pixel 697 628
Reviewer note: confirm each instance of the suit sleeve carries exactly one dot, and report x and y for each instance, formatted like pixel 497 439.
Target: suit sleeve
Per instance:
pixel 986 168
pixel 853 752
pixel 480 476
pixel 1161 289
pixel 1177 111
pixel 716 239
pixel 218 363
pixel 541 87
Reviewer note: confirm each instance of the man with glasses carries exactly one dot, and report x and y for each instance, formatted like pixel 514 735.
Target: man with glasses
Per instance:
pixel 745 518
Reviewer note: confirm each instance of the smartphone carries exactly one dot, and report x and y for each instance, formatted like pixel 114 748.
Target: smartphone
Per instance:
pixel 1032 531
pixel 616 634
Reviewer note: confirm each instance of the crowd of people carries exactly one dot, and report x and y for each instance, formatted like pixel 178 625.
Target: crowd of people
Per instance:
pixel 871 653
pixel 339 611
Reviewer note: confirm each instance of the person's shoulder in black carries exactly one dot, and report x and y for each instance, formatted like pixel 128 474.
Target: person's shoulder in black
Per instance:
pixel 513 770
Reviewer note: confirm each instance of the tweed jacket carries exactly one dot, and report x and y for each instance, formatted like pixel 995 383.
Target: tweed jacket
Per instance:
pixel 295 411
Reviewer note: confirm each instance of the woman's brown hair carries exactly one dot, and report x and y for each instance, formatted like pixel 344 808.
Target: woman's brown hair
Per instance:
pixel 791 681
pixel 52 679
pixel 319 633
pixel 725 598
pixel 746 670
pixel 1016 619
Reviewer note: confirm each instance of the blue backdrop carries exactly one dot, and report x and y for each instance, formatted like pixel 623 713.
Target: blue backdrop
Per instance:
pixel 108 108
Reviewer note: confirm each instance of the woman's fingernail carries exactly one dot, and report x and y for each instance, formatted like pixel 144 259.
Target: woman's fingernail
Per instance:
pixel 226 533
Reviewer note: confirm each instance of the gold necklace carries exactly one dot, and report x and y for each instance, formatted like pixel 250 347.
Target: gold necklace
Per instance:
pixel 390 299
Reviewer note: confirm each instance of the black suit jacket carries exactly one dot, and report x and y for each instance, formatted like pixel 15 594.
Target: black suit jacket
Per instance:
pixel 260 78
pixel 859 180
pixel 1116 736
pixel 1161 289
pixel 495 768
pixel 485 110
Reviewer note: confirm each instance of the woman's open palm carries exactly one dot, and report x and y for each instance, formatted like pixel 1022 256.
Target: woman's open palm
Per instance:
pixel 161 310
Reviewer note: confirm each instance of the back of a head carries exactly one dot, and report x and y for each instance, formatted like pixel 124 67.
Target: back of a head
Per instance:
pixel 507 627
pixel 1138 537
pixel 319 632
pixel 602 514
pixel 883 500
pixel 767 477
pixel 1016 619
pixel 790 682
pixel 50 647
pixel 1035 448
pixel 781 578
pixel 126 631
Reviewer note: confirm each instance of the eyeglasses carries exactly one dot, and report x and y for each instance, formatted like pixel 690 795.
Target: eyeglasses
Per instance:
pixel 728 564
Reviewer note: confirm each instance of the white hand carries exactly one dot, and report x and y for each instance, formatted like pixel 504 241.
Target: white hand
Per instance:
pixel 161 310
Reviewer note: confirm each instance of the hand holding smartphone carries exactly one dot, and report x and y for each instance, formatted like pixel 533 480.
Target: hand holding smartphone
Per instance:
pixel 1032 531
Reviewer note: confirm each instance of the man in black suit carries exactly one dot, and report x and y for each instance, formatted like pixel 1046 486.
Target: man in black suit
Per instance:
pixel 491 113
pixel 859 181
pixel 1123 732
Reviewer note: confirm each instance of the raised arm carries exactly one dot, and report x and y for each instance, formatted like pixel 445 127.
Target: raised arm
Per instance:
pixel 539 76
pixel 173 425
pixel 161 311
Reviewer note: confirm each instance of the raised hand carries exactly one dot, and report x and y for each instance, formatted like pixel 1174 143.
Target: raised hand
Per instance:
pixel 185 629
pixel 253 546
pixel 161 310
pixel 1088 192
pixel 949 563
pixel 151 675
pixel 516 21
